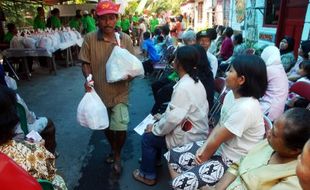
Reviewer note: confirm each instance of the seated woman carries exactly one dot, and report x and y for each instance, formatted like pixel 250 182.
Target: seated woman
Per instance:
pixel 42 125
pixel 272 163
pixel 240 128
pixel 287 52
pixel 303 167
pixel 239 49
pixel 32 157
pixel 294 100
pixel 303 52
pixel 273 102
pixel 185 119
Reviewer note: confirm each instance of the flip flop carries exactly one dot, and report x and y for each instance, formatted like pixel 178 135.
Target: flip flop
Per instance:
pixel 141 178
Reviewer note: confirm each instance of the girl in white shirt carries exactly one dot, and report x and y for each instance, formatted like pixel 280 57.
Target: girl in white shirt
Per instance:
pixel 185 119
pixel 241 126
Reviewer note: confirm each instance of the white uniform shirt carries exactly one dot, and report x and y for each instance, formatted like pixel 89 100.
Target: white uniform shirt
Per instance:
pixel 213 63
pixel 188 102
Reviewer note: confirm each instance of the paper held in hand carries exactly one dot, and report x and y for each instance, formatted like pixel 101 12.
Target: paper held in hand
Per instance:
pixel 35 136
pixel 141 127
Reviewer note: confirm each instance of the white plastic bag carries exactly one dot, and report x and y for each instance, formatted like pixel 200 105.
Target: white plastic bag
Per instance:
pixel 92 113
pixel 122 63
pixel 10 82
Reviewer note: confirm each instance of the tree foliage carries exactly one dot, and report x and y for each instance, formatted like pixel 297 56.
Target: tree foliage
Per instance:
pixel 22 12
pixel 157 6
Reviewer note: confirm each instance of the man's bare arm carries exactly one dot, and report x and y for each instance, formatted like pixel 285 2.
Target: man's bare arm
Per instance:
pixel 86 69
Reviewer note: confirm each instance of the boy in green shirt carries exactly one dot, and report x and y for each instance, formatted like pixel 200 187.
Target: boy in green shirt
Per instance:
pixel 125 24
pixel 55 21
pixel 153 23
pixel 12 31
pixel 76 22
pixel 89 23
pixel 39 21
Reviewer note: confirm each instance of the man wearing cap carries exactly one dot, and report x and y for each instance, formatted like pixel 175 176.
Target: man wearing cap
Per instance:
pixel 95 51
pixel 205 38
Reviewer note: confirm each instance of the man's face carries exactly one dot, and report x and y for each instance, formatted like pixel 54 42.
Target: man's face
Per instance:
pixel 107 22
pixel 205 42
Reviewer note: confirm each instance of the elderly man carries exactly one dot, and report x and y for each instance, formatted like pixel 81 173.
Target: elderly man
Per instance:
pixel 95 51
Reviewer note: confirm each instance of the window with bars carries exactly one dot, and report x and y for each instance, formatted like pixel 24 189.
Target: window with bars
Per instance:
pixel 272 11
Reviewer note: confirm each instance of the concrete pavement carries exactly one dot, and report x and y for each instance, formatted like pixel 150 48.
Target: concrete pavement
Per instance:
pixel 82 151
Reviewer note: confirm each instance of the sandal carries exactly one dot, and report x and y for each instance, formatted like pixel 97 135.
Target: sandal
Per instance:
pixel 141 178
pixel 117 167
pixel 109 159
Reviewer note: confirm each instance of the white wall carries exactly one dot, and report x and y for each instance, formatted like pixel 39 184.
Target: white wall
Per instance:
pixel 205 23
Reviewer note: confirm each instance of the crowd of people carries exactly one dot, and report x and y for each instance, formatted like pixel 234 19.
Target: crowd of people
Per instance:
pixel 237 153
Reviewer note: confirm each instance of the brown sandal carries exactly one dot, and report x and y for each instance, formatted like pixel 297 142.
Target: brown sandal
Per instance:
pixel 141 178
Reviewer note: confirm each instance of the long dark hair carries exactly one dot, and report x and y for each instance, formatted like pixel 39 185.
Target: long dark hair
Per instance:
pixel 290 45
pixel 8 114
pixel 188 57
pixel 205 73
pixel 253 68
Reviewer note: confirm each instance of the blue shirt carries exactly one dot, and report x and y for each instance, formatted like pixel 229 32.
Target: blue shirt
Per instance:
pixel 149 47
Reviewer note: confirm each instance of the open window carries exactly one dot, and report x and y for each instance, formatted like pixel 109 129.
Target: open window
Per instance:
pixel 272 11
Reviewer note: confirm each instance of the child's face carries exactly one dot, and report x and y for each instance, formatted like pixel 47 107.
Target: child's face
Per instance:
pixel 300 52
pixel 301 71
pixel 233 81
pixel 303 167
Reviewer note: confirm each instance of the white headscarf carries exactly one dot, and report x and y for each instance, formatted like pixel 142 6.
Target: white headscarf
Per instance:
pixel 271 56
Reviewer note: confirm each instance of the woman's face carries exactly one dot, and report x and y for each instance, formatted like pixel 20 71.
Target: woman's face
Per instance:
pixel 303 167
pixel 283 44
pixel 233 81
pixel 205 42
pixel 275 137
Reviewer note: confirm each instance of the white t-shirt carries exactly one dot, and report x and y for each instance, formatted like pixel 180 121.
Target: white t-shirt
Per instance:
pixel 242 117
pixel 212 48
pixel 213 63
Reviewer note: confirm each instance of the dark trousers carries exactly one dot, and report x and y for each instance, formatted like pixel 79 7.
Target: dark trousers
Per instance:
pixel 148 66
pixel 151 146
pixel 162 92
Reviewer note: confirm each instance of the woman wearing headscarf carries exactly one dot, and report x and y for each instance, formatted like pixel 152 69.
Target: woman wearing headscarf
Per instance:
pixel 273 102
pixel 287 52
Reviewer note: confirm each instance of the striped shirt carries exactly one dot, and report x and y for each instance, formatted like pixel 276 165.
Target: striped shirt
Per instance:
pixel 96 51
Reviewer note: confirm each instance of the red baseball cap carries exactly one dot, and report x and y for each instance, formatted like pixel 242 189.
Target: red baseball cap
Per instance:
pixel 107 7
